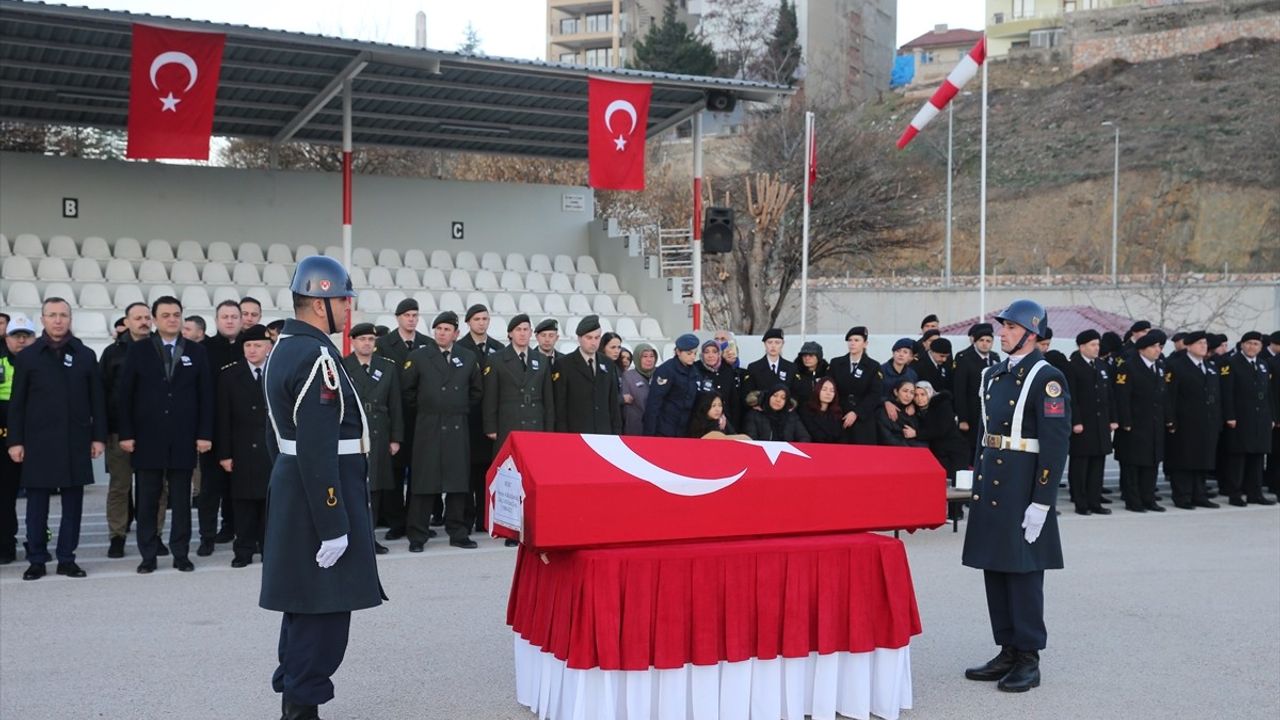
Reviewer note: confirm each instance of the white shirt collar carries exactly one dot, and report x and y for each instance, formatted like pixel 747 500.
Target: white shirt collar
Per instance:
pixel 1015 359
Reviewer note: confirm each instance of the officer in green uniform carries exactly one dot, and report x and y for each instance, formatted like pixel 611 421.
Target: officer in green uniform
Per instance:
pixel 377 382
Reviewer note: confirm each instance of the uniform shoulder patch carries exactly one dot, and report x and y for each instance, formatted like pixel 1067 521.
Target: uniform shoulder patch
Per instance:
pixel 487 368
pixel 1225 370
pixel 660 380
pixel 1055 407
pixel 555 377
pixel 408 364
pixel 1053 389
pixel 1168 377
pixel 1121 378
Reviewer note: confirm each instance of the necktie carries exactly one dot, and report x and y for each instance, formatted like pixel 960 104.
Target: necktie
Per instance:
pixel 446 355
pixel 408 345
pixel 523 364
pixel 257 376
pixel 366 368
pixel 168 351
pixel 591 365
pixel 774 368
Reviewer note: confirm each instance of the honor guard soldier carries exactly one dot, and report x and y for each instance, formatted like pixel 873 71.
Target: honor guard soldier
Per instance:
pixel 396 346
pixel 858 380
pixel 1091 414
pixel 484 347
pixel 586 386
pixel 377 382
pixel 318 563
pixel 968 366
pixel 1142 409
pixel 1195 397
pixel 1249 412
pixel 441 382
pixel 672 391
pixel 241 440
pixel 1012 536
pixel 547 334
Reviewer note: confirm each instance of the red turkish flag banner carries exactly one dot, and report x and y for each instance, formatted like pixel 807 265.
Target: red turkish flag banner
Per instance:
pixel 618 118
pixel 173 86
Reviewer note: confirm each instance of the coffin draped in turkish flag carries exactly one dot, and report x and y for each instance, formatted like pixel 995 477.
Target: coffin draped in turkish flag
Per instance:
pixel 597 490
pixel 173 85
pixel 617 119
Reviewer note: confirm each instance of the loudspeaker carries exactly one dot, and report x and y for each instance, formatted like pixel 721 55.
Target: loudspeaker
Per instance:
pixel 717 231
pixel 721 101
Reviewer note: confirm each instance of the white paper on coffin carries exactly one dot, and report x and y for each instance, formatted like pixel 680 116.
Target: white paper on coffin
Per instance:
pixel 854 685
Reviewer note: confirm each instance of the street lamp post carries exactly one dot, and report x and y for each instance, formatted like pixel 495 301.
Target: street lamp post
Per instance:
pixel 1115 204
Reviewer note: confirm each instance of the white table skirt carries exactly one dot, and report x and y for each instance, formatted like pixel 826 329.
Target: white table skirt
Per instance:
pixel 855 685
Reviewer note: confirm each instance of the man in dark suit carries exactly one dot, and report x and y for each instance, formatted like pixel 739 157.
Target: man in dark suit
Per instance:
pixel 858 381
pixel 221 348
pixel 166 422
pixel 968 367
pixel 1248 410
pixel 763 374
pixel 1142 409
pixel 1195 397
pixel 377 382
pixel 57 427
pixel 1013 530
pixel 396 346
pixel 441 383
pixel 477 340
pixel 1091 407
pixel 548 334
pixel 1272 357
pixel 241 442
pixel 935 365
pixel 586 386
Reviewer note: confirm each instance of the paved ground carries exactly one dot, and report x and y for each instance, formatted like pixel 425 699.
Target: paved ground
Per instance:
pixel 1171 616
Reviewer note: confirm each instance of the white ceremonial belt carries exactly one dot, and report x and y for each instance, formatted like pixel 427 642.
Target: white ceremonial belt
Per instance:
pixel 352 446
pixel 1007 442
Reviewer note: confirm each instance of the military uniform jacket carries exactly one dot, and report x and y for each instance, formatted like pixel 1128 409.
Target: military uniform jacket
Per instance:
pixel 392 347
pixel 858 389
pixel 481 445
pixel 241 434
pixel 516 396
pixel 1196 401
pixel 1142 410
pixel 166 406
pixel 586 402
pixel 723 381
pixel 1246 398
pixel 968 367
pixel 319 491
pixel 761 379
pixel 379 391
pixel 56 411
pixel 1091 405
pixel 440 393
pixel 1005 482
pixel 939 376
pixel 673 390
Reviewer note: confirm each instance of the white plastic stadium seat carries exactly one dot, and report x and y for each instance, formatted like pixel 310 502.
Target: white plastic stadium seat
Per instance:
pixel 159 291
pixel 62 246
pixel 119 271
pixel 263 296
pixel 62 290
pixel 408 279
pixel 126 294
pixel 369 301
pixel 380 277
pixel 362 256
pixel 426 303
pixel 529 305
pixel 492 262
pixel 587 264
pixel 28 246
pixel 23 294
pixel 466 260
pixel 335 252
pixel 579 305
pixel 96 248
pixel 250 252
pixel 450 300
pixel 244 274
pixel 606 325
pixel 90 325
pixel 486 280
pixel 215 273
pixel 460 280
pixel 650 329
pixel 18 267
pixel 389 258
pixel 497 326
pixel 564 264
pixel 52 268
pixel 603 305
pixel 415 259
pixel 159 249
pixel 433 279
pixel 184 272
pixel 5 250
pixel 386 320
pixel 535 282
pixel 540 263
pixel 441 260
pixel 560 283
pixel 190 251
pixel 225 293
pixel 566 346
pixel 555 305
pixel 583 283
pixel 152 271
pixel 220 252
pixel 276 275
pixel 279 253
pixel 305 251
pixel 358 279
pixel 504 304
pixel 511 281
pixel 392 298
pixel 477 298
pixel 127 248
pixel 607 283
pixel 86 270
pixel 626 327
pixel 517 263
pixel 668 351
pixel 570 324
pixel 627 305
pixel 94 295
pixel 284 299
pixel 195 297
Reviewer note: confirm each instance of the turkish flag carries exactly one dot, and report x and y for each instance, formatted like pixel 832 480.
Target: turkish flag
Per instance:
pixel 618 117
pixel 173 85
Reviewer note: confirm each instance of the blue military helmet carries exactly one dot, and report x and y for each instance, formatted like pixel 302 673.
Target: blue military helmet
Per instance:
pixel 1027 313
pixel 320 276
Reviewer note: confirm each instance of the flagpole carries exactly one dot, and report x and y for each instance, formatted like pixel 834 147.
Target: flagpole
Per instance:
pixel 697 221
pixel 982 214
pixel 804 254
pixel 346 199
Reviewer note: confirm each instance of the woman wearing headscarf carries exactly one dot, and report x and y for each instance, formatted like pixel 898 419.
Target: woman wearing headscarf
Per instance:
pixel 624 360
pixel 720 378
pixel 776 418
pixel 902 427
pixel 635 389
pixel 708 417
pixel 810 367
pixel 936 425
pixel 821 415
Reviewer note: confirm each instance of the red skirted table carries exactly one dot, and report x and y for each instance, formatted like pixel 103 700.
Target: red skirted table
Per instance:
pixel 753 629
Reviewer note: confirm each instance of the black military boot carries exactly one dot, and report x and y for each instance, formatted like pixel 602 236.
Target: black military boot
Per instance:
pixel 301 712
pixel 996 668
pixel 1025 673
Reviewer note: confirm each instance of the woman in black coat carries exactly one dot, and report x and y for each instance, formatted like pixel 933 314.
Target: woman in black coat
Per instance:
pixel 810 367
pixel 903 431
pixel 937 426
pixel 776 419
pixel 709 416
pixel 822 416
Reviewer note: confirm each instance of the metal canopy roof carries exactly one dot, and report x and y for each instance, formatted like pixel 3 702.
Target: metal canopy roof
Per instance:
pixel 70 66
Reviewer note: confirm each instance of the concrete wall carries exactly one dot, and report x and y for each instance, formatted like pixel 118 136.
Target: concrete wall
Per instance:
pixel 616 253
pixel 180 202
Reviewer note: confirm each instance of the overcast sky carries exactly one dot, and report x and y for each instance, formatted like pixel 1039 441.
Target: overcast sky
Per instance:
pixel 510 28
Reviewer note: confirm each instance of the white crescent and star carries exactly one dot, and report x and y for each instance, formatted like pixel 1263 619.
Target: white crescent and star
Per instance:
pixel 169 103
pixel 616 452
pixel 620 142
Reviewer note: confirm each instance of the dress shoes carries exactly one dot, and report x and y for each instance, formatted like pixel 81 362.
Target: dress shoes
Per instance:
pixel 34 572
pixel 1083 511
pixel 224 536
pixel 1101 510
pixel 379 548
pixel 205 549
pixel 511 543
pixel 1024 675
pixel 300 712
pixel 1154 507
pixel 437 521
pixel 241 562
pixel 1106 501
pixel 995 668
pixel 8 556
pixel 417 547
pixel 464 543
pixel 1184 506
pixel 1207 504
pixel 117 548
pixel 161 549
pixel 1261 500
pixel 70 569
pixel 393 535
pixel 183 565
pixel 1106 491
pixel 146 567
pixel 1134 508
pixel 432 533
pixel 1237 501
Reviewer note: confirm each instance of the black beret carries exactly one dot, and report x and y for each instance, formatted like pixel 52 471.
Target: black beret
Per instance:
pixel 1155 337
pixel 1251 335
pixel 856 330
pixel 1216 340
pixel 1111 343
pixel 406 305
pixel 931 332
pixel 1194 336
pixel 254 332
pixel 447 317
pixel 1178 336
pixel 276 325
pixel 1088 336
pixel 477 308
pixel 1274 338
pixel 941 345
pixel 588 324
pixel 1139 326
pixel 548 324
pixel 363 329
pixel 928 319
pixel 381 330
pixel 514 322
pixel 772 334
pixel 981 330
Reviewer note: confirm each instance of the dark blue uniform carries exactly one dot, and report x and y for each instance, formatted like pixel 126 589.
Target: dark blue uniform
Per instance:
pixel 1006 481
pixel 318 491
pixel 672 391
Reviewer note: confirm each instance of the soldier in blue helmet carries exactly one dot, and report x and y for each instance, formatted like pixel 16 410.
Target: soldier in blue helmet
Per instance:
pixel 318 557
pixel 1024 429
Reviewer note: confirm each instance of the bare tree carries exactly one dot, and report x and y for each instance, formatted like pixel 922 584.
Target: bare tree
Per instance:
pixel 741 30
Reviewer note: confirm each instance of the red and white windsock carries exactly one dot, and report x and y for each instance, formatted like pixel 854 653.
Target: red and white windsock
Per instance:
pixel 962 74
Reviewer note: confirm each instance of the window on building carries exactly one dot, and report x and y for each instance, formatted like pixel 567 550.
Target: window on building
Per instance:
pixel 927 58
pixel 622 56
pixel 569 26
pixel 599 23
pixel 1023 9
pixel 1068 6
pixel 596 57
pixel 569 58
pixel 1046 38
pixel 998 18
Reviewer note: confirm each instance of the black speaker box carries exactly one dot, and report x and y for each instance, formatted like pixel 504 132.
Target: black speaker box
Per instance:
pixel 717 231
pixel 721 101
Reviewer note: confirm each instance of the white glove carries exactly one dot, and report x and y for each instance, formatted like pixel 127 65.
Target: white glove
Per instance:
pixel 1033 521
pixel 330 551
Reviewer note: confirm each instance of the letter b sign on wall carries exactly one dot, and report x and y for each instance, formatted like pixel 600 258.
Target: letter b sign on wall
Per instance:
pixel 70 207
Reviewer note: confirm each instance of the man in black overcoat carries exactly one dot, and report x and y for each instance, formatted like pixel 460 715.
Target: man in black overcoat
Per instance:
pixel 1248 410
pixel 586 386
pixel 241 442
pixel 1092 423
pixel 478 341
pixel 396 346
pixel 968 366
pixel 1142 411
pixel 1195 397
pixel 377 383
